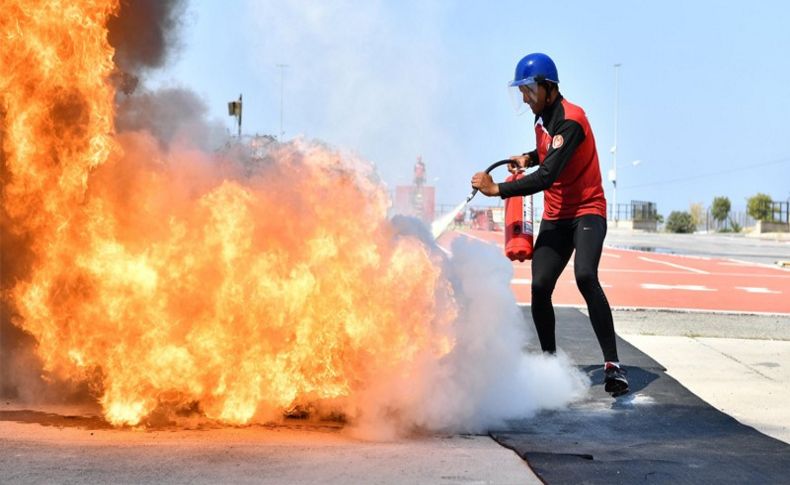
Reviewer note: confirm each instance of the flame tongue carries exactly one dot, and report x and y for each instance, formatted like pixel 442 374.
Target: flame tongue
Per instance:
pixel 56 125
pixel 168 280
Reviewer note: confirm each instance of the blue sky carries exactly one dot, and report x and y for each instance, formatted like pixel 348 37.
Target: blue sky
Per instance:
pixel 703 102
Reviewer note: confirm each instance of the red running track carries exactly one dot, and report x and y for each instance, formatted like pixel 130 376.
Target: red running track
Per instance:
pixel 651 280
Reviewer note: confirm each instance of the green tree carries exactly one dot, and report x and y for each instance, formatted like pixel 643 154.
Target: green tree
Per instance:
pixel 759 206
pixel 680 222
pixel 720 209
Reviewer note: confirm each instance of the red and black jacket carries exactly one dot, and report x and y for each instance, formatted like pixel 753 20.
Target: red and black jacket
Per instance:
pixel 569 172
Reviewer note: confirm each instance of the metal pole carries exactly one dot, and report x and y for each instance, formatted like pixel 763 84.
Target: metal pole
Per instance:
pixel 282 90
pixel 614 147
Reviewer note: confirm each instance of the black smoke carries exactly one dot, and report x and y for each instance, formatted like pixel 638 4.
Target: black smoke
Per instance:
pixel 170 115
pixel 144 33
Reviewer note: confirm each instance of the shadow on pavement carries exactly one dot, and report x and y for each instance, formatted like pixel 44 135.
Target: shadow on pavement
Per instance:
pixel 28 416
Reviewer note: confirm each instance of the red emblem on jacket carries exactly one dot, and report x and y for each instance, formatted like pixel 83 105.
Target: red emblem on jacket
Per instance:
pixel 557 141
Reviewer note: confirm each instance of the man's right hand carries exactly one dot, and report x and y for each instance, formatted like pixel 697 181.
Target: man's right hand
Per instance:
pixel 518 163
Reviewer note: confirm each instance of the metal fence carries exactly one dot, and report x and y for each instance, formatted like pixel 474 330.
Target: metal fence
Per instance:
pixel 645 213
pixel 636 210
pixel 735 221
pixel 469 217
pixel 620 212
pixel 779 211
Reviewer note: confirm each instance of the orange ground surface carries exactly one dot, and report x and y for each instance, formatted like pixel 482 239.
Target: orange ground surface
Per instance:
pixel 652 280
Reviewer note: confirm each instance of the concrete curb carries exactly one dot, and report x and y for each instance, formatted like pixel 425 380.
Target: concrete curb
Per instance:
pixel 703 324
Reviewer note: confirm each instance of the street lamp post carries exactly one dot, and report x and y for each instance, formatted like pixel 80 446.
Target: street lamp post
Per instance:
pixel 282 68
pixel 613 173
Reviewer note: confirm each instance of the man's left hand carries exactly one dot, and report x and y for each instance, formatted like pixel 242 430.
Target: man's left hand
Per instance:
pixel 485 184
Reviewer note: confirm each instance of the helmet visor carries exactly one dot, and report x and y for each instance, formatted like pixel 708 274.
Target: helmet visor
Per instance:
pixel 521 94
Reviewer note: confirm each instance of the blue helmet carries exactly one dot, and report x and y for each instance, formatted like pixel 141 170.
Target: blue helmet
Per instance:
pixel 535 68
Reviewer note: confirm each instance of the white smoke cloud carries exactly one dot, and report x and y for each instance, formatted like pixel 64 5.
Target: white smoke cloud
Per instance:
pixel 359 77
pixel 488 378
pixel 499 376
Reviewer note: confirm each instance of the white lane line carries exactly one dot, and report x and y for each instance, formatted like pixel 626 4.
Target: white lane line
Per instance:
pixel 520 281
pixel 672 309
pixel 760 265
pixel 750 289
pixel 661 271
pixel 656 286
pixel 669 253
pixel 694 270
pixel 610 255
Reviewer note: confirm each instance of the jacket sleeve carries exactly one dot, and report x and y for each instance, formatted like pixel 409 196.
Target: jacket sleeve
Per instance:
pixel 556 159
pixel 533 157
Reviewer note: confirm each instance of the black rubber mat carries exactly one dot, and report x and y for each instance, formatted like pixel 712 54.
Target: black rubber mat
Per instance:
pixel 659 433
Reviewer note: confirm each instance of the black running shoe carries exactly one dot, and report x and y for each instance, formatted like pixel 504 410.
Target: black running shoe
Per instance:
pixel 614 380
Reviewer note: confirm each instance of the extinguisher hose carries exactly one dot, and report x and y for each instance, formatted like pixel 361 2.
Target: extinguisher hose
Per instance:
pixel 440 225
pixel 488 170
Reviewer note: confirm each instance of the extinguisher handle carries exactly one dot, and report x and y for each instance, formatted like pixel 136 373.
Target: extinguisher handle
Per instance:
pixel 488 170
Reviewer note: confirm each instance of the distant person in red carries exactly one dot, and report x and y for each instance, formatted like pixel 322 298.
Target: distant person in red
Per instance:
pixel 574 215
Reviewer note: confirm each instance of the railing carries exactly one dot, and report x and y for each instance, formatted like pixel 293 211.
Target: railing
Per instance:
pixel 646 214
pixel 636 210
pixel 736 220
pixel 486 217
pixel 779 211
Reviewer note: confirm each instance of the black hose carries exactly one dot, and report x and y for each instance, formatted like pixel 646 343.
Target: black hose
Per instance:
pixel 488 170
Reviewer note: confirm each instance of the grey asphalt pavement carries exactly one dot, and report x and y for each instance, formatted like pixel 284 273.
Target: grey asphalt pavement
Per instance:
pixel 80 452
pixel 765 250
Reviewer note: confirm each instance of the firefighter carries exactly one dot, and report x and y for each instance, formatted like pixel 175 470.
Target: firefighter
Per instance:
pixel 574 215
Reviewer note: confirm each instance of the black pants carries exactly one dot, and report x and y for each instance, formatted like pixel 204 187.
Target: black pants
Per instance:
pixel 553 249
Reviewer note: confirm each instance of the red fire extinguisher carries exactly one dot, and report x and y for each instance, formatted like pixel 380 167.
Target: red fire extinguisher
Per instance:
pixel 518 220
pixel 518 225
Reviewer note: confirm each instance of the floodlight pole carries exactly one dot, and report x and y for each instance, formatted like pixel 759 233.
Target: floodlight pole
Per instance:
pixel 614 147
pixel 282 90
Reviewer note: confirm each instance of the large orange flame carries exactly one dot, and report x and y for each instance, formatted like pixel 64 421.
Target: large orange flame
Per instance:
pixel 171 279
